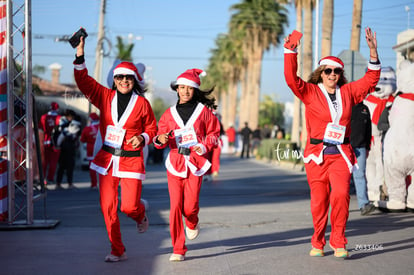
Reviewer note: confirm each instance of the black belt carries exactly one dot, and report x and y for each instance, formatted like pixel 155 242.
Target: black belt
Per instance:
pixel 120 152
pixel 184 151
pixel 315 141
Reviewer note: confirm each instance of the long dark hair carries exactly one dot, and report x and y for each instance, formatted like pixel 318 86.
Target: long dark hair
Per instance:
pixel 315 76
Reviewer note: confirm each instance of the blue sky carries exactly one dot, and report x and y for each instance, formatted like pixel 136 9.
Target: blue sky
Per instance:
pixel 178 35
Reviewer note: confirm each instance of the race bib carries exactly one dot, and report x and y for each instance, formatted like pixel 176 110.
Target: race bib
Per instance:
pixel 114 136
pixel 334 133
pixel 185 137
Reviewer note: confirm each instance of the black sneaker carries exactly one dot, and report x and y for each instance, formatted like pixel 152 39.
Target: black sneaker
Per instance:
pixel 367 209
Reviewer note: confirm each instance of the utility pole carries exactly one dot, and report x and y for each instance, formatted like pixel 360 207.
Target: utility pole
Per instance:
pixel 99 49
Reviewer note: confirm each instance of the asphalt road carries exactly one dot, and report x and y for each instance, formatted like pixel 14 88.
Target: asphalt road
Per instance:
pixel 255 219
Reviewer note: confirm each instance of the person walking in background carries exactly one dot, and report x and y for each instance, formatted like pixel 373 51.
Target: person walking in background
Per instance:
pixel 328 155
pixel 256 140
pixel 215 153
pixel 48 122
pixel 246 133
pixel 360 142
pixel 231 138
pixel 266 132
pixel 88 136
pixel 68 142
pixel 191 130
pixel 127 124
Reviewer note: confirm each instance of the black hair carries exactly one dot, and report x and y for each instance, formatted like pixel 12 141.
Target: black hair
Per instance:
pixel 70 112
pixel 205 97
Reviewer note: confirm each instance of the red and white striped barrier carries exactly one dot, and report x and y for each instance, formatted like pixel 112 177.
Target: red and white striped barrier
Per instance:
pixel 3 112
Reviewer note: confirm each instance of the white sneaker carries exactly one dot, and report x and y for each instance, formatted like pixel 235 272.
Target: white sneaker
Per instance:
pixel 112 258
pixel 192 233
pixel 143 225
pixel 176 258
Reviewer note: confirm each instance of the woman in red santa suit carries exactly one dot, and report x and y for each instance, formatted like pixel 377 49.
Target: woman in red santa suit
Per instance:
pixel 191 130
pixel 127 123
pixel 328 155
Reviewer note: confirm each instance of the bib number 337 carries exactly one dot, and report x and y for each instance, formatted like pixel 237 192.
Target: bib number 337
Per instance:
pixel 334 133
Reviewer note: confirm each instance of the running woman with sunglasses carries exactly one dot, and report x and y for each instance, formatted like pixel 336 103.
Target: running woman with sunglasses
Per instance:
pixel 127 124
pixel 328 155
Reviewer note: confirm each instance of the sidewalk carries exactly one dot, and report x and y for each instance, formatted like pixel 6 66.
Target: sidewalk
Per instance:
pixel 255 219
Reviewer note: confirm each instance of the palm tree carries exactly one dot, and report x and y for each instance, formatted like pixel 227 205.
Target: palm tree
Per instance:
pixel 124 51
pixel 308 6
pixel 296 102
pixel 262 23
pixel 327 27
pixel 356 25
pixel 221 73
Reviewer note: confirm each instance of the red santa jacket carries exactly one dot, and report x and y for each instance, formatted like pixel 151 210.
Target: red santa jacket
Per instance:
pixel 48 121
pixel 89 137
pixel 207 129
pixel 320 110
pixel 138 119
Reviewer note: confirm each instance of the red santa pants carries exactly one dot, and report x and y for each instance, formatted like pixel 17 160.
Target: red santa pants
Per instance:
pixel 93 176
pixel 184 201
pixel 329 184
pixel 51 158
pixel 130 205
pixel 215 159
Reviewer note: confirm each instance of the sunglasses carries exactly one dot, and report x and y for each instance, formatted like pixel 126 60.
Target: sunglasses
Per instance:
pixel 328 71
pixel 120 77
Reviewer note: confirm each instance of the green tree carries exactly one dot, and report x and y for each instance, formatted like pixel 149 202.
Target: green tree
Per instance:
pixel 124 50
pixel 223 73
pixel 262 23
pixel 39 69
pixel 271 112
pixel 158 107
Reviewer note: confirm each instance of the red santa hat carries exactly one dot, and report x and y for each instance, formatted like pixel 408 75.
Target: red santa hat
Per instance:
pixel 127 68
pixel 54 106
pixel 190 78
pixel 332 61
pixel 93 116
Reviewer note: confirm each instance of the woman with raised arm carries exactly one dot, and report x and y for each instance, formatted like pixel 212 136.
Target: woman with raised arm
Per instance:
pixel 127 124
pixel 328 156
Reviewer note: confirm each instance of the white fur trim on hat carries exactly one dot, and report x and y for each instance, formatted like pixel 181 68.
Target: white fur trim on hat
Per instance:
pixel 185 81
pixel 330 63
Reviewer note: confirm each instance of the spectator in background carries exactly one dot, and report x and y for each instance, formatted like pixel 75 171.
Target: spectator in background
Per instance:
pixel 88 136
pixel 246 134
pixel 68 143
pixel 275 129
pixel 361 142
pixel 280 134
pixel 256 139
pixel 48 122
pixel 266 132
pixel 231 137
pixel 215 154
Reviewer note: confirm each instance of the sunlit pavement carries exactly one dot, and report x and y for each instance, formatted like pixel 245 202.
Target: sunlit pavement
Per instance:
pixel 254 218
